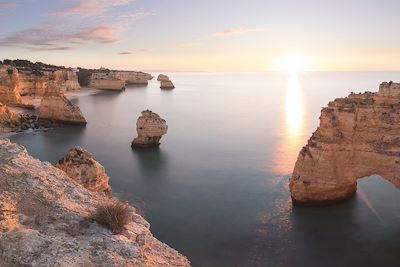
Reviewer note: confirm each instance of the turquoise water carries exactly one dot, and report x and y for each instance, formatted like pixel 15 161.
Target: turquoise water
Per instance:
pixel 217 187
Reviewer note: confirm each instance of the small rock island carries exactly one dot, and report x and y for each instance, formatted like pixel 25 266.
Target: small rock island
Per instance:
pixel 165 82
pixel 150 128
pixel 358 136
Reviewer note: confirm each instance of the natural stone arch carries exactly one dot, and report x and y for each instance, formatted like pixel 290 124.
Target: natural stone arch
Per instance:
pixel 358 136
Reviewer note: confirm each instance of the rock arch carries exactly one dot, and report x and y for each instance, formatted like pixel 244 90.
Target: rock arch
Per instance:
pixel 358 136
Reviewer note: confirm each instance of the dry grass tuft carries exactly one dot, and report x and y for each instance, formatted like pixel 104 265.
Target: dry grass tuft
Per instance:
pixel 113 215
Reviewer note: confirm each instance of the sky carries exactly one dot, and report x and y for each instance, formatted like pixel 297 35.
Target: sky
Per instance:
pixel 204 35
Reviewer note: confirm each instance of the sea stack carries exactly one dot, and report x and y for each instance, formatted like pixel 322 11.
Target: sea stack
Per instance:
pixel 165 82
pixel 358 136
pixel 80 165
pixel 9 86
pixel 56 107
pixel 150 128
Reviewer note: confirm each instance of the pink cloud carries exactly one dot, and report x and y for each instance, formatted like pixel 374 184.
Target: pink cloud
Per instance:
pixel 89 8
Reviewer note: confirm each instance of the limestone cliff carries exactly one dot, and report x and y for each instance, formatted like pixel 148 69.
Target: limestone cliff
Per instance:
pixel 56 107
pixel 9 86
pixel 358 136
pixel 107 84
pixel 80 165
pixel 45 221
pixel 150 128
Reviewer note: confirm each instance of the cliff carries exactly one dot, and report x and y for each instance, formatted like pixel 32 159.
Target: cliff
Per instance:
pixel 150 128
pixel 55 106
pixel 15 83
pixel 44 221
pixel 358 136
pixel 107 84
pixel 9 86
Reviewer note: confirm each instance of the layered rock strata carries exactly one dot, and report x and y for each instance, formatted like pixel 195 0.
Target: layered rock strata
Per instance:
pixel 80 165
pixel 55 106
pixel 150 128
pixel 358 136
pixel 9 86
pixel 45 221
pixel 165 82
pixel 107 84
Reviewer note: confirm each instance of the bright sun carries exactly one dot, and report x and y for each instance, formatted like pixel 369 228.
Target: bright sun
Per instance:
pixel 294 63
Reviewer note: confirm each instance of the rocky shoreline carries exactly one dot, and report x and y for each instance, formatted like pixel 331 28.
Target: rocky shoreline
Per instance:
pixel 45 221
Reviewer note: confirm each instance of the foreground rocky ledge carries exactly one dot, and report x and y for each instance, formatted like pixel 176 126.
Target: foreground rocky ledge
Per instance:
pixel 44 221
pixel 358 136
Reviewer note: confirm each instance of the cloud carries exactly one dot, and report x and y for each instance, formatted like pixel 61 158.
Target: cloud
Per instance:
pixel 237 31
pixel 51 37
pixel 5 6
pixel 87 8
pixel 145 50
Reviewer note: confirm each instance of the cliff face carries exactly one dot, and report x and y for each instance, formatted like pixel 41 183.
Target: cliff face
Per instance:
pixel 14 83
pixel 56 107
pixel 107 84
pixel 9 86
pixel 150 128
pixel 358 136
pixel 44 221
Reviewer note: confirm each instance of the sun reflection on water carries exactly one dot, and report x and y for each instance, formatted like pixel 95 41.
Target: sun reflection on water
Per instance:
pixel 292 128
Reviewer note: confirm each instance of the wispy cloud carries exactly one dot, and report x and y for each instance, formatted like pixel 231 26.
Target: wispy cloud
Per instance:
pixel 50 37
pixel 6 6
pixel 87 8
pixel 237 31
pixel 145 50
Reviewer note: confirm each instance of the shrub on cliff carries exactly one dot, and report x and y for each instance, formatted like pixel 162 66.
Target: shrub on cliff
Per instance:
pixel 113 215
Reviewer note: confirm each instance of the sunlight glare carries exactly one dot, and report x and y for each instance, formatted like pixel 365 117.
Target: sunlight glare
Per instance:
pixel 294 63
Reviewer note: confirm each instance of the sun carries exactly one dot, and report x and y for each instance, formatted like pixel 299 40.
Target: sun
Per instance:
pixel 294 63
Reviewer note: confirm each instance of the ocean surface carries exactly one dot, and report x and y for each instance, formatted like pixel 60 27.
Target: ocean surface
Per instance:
pixel 217 187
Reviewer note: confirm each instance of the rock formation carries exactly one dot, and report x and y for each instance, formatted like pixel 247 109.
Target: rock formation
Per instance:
pixel 80 165
pixel 106 83
pixel 150 128
pixel 358 136
pixel 165 82
pixel 45 221
pixel 9 86
pixel 56 107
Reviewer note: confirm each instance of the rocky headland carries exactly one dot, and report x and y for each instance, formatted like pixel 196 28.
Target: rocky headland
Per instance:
pixel 46 221
pixel 81 166
pixel 358 136
pixel 150 128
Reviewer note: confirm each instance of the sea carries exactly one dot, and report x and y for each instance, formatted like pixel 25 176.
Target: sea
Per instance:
pixel 216 189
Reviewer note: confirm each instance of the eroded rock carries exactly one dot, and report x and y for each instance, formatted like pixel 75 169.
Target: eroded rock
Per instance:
pixel 45 221
pixel 358 136
pixel 150 128
pixel 80 165
pixel 165 82
pixel 55 106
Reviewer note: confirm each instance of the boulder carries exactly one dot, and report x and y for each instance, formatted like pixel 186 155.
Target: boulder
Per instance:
pixel 80 165
pixel 150 128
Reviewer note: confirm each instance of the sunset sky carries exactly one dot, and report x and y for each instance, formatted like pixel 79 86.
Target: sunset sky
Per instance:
pixel 206 35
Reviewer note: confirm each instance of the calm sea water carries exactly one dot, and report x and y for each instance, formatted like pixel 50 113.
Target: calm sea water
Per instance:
pixel 217 188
